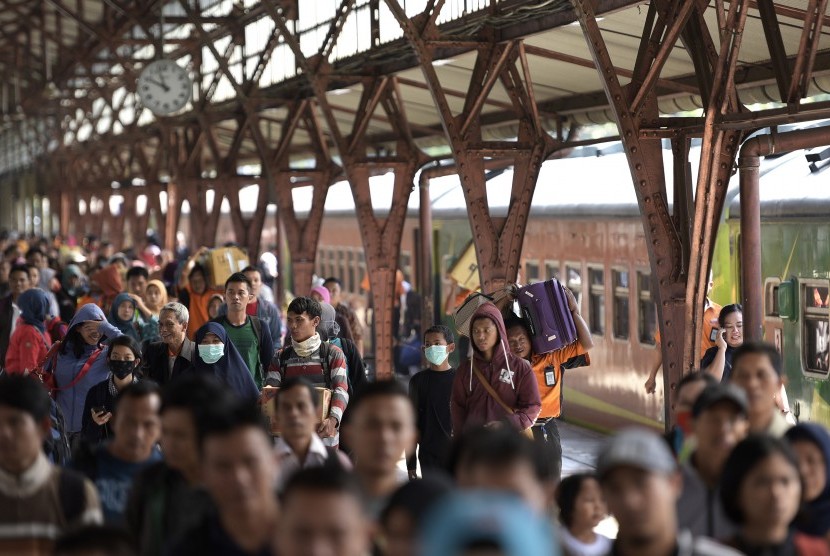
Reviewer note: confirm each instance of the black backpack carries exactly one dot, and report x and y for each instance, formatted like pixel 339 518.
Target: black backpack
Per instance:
pixel 57 447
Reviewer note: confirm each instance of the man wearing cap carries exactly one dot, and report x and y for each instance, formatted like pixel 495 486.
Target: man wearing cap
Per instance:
pixel 641 483
pixel 719 423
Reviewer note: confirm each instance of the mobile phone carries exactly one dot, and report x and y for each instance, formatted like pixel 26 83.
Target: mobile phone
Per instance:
pixel 100 409
pixel 713 335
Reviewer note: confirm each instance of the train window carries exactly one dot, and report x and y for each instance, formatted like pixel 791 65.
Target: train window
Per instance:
pixel 647 310
pixel 552 270
pixel 353 283
pixel 620 281
pixel 574 276
pixel 771 297
pixel 816 328
pixel 321 263
pixel 333 271
pixel 596 301
pixel 532 272
pixel 341 269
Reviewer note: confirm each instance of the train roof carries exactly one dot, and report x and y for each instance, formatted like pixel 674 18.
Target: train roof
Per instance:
pixel 789 188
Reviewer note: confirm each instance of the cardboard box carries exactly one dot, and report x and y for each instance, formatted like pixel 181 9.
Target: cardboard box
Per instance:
pixel 224 261
pixel 269 408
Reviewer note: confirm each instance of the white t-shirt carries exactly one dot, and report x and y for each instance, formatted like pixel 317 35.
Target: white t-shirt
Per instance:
pixel 575 547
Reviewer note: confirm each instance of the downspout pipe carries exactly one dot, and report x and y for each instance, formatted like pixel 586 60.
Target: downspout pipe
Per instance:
pixel 749 162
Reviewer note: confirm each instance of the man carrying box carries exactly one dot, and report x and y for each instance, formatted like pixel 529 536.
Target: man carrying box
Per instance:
pixel 323 364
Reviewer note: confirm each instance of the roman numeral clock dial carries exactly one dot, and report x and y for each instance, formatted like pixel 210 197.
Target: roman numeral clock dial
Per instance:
pixel 164 87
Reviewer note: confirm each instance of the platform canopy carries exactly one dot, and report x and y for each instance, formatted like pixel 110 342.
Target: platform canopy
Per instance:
pixel 70 69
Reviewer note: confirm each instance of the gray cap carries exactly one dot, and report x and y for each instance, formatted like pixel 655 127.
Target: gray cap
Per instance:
pixel 722 392
pixel 636 447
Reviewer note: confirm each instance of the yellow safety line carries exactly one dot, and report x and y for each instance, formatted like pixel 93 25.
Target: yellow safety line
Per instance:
pixel 579 398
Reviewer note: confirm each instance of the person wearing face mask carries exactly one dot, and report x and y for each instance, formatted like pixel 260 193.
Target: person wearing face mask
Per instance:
pixel 81 363
pixel 123 358
pixel 430 392
pixel 216 355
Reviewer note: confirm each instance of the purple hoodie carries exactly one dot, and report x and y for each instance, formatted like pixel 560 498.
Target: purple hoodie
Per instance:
pixel 510 376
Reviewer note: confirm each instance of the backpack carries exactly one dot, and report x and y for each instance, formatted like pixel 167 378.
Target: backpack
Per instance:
pixel 285 355
pixel 57 446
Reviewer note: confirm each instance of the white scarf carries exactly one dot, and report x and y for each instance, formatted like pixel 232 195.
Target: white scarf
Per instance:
pixel 307 347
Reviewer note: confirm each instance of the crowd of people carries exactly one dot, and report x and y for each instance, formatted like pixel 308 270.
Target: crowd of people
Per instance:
pixel 146 410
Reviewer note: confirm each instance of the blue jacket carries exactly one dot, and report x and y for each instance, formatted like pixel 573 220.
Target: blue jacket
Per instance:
pixel 72 400
pixel 268 313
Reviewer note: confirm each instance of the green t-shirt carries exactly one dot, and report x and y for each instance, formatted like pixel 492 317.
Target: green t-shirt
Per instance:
pixel 244 339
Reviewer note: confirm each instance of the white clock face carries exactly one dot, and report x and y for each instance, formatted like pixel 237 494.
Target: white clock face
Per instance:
pixel 164 87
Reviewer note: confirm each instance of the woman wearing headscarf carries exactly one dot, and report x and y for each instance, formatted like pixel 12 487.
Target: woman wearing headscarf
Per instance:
pixel 216 355
pixel 329 330
pixel 122 315
pixel 155 297
pixel 30 342
pixel 811 444
pixel 82 362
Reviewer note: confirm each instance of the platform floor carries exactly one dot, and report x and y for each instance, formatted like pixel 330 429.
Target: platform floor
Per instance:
pixel 579 448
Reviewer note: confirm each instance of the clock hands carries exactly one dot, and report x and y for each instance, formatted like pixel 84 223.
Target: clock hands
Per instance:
pixel 161 84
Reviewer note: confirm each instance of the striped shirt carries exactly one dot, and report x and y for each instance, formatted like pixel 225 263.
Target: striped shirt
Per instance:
pixel 333 376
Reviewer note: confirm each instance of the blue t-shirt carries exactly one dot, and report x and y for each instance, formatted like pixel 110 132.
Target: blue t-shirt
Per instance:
pixel 114 480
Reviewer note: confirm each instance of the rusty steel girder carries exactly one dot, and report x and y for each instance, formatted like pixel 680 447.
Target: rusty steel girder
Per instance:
pixel 381 238
pixel 498 244
pixel 680 256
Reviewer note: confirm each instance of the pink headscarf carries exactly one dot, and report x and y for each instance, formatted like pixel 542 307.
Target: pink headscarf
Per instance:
pixel 324 293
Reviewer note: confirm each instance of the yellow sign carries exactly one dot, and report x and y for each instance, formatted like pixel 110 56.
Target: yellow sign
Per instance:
pixel 465 269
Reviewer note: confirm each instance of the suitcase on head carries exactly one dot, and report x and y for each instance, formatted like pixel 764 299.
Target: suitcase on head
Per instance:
pixel 544 307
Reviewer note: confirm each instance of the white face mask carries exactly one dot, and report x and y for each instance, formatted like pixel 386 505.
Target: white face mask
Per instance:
pixel 436 354
pixel 211 353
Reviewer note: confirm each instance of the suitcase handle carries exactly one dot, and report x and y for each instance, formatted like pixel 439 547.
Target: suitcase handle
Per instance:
pixel 528 320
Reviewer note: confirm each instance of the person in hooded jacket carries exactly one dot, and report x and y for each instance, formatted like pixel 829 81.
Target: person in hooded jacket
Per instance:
pixel 123 359
pixel 811 444
pixel 30 342
pixel 72 287
pixel 216 355
pixel 329 331
pixel 82 363
pixel 509 376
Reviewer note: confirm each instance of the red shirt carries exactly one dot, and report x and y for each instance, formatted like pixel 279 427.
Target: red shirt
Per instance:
pixel 27 348
pixel 252 307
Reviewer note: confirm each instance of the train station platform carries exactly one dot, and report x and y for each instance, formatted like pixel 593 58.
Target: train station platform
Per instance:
pixel 580 447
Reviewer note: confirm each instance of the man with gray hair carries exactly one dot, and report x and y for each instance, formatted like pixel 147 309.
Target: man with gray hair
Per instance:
pixel 173 355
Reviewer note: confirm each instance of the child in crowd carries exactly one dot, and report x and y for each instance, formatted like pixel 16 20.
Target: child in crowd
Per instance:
pixel 581 508
pixel 430 392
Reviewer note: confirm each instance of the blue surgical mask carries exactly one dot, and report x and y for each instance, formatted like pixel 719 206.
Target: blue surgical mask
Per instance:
pixel 436 354
pixel 211 353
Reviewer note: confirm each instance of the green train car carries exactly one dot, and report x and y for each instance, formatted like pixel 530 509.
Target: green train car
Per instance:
pixel 795 254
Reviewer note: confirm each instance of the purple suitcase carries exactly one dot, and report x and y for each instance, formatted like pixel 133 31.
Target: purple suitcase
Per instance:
pixel 544 307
